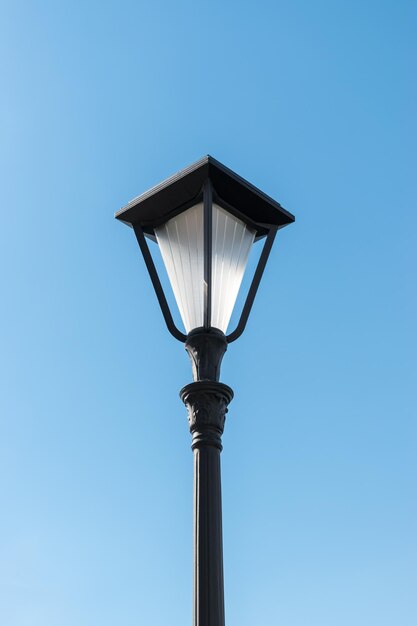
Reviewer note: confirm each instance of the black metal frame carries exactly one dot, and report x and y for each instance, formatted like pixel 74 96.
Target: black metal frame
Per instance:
pixel 157 284
pixel 163 303
pixel 244 316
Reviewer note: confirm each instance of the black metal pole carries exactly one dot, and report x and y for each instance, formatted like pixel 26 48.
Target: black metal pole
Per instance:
pixel 207 401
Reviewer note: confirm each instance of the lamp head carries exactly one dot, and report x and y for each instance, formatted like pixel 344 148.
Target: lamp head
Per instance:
pixel 205 219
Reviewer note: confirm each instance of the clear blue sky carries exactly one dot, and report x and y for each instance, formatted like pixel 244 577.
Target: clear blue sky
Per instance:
pixel 313 102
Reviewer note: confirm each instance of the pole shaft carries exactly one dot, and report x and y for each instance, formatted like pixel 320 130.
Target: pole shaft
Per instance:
pixel 207 405
pixel 208 545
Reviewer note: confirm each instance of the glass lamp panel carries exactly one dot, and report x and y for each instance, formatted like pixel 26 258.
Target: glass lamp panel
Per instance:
pixel 231 244
pixel 181 241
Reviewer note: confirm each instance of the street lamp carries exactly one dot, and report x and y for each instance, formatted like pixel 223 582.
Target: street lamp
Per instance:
pixel 205 220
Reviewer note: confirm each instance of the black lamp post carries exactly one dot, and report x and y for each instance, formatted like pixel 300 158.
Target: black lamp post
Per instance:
pixel 205 220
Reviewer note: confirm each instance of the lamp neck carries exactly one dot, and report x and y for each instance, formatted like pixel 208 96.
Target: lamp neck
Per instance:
pixel 206 349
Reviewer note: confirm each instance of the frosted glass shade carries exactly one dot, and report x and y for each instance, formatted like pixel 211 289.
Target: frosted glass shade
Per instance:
pixel 232 242
pixel 181 241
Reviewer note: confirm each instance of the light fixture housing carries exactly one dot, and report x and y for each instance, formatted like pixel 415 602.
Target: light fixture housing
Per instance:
pixel 205 219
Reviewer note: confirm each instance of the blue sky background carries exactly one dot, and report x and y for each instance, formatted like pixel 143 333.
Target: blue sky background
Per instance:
pixel 313 102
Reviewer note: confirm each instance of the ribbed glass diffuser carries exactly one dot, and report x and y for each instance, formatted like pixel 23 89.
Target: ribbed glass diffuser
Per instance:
pixel 181 241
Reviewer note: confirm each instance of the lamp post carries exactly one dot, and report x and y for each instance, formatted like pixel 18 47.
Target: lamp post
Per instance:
pixel 205 220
